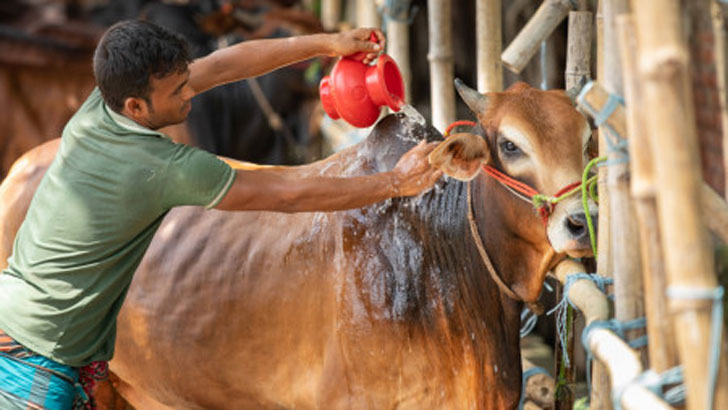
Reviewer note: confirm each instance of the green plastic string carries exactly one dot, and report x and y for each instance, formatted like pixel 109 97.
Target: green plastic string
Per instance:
pixel 588 186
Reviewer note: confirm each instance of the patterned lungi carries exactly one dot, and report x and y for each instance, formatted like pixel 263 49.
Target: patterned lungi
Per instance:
pixel 31 381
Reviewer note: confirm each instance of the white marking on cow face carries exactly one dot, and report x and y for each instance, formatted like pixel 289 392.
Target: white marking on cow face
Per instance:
pixel 567 228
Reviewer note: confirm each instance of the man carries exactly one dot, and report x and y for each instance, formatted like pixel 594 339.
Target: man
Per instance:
pixel 114 179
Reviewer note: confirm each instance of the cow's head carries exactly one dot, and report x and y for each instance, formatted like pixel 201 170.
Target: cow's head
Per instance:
pixel 539 138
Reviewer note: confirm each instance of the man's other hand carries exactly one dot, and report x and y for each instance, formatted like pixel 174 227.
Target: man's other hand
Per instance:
pixel 357 41
pixel 413 172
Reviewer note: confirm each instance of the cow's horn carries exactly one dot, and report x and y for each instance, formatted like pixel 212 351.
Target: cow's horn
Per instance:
pixel 475 100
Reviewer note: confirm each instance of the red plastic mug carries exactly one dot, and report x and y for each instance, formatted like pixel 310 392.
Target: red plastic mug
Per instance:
pixel 355 91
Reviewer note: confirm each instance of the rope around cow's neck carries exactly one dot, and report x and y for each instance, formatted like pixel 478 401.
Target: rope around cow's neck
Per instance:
pixel 475 233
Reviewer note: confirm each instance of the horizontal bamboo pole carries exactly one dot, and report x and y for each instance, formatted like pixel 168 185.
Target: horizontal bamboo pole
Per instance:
pixel 596 96
pixel 622 362
pixel 548 16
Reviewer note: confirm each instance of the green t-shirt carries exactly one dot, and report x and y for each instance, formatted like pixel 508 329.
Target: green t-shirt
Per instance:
pixel 90 223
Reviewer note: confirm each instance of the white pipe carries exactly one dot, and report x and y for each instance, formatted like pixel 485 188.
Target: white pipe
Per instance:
pixel 621 361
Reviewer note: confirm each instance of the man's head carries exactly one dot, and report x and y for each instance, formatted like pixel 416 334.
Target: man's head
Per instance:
pixel 141 70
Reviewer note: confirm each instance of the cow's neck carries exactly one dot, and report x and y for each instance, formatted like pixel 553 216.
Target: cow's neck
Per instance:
pixel 470 298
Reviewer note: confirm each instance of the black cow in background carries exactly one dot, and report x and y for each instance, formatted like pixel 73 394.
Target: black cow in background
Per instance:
pixel 231 120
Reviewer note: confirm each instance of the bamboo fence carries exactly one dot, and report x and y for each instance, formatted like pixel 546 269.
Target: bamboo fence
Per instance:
pixel 664 74
pixel 442 93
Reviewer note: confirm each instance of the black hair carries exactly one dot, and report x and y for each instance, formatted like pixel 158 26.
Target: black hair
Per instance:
pixel 132 51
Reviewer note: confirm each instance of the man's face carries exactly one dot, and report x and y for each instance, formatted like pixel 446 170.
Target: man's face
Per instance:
pixel 170 100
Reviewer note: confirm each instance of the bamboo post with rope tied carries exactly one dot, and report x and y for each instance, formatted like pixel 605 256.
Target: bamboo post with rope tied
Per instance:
pixel 692 288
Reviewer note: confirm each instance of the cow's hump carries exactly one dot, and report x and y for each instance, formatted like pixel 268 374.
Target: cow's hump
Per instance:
pixel 394 135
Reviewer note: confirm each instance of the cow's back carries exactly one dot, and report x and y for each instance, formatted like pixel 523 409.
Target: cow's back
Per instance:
pixel 17 190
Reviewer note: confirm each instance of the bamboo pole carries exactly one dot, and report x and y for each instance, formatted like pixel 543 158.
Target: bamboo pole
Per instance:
pixel 594 98
pixel 489 45
pixel 716 207
pixel 662 349
pixel 664 73
pixel 548 16
pixel 366 14
pixel 601 395
pixel 330 14
pixel 578 48
pixel 623 246
pixel 622 362
pixel 442 93
pixel 398 40
pixel 717 12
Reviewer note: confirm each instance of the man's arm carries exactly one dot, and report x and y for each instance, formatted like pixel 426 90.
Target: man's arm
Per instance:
pixel 280 189
pixel 257 57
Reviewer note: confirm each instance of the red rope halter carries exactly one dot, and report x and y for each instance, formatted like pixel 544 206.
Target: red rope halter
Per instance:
pixel 543 204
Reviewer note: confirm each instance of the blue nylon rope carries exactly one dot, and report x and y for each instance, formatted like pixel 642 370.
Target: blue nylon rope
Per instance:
pixel 560 308
pixel 619 328
pixel 528 373
pixel 528 322
pixel 615 142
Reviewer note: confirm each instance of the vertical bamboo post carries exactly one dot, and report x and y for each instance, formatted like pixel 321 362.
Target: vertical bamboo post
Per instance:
pixel 717 12
pixel 601 394
pixel 330 13
pixel 578 48
pixel 662 349
pixel 366 14
pixel 578 56
pixel 489 43
pixel 398 40
pixel 623 246
pixel 664 72
pixel 442 93
pixel 548 16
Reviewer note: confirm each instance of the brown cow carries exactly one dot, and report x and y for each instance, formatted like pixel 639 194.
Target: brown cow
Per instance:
pixel 387 306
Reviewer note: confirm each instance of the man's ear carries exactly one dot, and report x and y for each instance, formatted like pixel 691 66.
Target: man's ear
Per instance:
pixel 136 107
pixel 460 156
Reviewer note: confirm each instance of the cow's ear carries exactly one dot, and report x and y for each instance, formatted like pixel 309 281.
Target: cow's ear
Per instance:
pixel 460 156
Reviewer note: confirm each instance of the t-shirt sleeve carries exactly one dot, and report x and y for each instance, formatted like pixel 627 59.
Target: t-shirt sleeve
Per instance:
pixel 196 177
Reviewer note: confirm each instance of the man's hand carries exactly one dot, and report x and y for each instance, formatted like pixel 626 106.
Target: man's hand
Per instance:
pixel 357 41
pixel 413 172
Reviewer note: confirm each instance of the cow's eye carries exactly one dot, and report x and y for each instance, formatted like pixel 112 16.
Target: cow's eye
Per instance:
pixel 509 148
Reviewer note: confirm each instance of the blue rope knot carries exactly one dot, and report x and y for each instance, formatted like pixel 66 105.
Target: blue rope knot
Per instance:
pixel 619 328
pixel 615 142
pixel 716 326
pixel 656 382
pixel 560 308
pixel 524 379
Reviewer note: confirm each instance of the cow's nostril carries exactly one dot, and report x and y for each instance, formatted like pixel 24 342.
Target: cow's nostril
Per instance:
pixel 576 224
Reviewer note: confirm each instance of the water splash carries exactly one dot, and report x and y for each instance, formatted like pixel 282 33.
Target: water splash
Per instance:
pixel 412 113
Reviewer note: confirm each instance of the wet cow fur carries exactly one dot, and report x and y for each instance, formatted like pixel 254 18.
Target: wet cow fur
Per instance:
pixel 385 306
